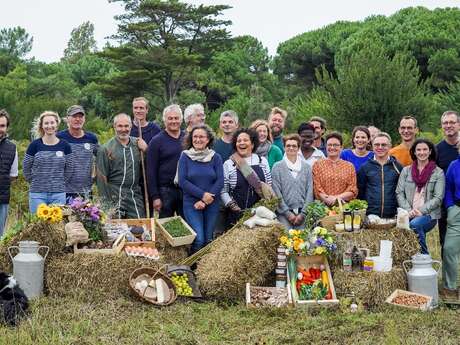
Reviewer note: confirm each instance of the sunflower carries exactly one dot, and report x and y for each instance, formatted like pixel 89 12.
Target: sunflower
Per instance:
pixel 43 211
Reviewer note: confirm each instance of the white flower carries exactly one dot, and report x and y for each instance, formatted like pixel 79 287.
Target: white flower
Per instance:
pixel 313 239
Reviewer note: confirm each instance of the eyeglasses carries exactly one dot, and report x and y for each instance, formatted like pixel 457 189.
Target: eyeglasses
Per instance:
pixel 333 145
pixel 379 145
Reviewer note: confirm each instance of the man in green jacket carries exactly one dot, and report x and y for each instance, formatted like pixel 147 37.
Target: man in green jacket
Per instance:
pixel 118 171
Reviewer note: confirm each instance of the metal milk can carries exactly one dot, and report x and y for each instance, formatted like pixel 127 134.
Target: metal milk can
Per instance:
pixel 28 267
pixel 422 277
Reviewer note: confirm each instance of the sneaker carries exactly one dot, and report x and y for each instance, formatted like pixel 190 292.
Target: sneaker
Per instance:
pixel 448 294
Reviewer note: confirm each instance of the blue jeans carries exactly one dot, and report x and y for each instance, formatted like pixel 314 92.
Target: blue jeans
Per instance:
pixel 422 225
pixel 171 199
pixel 202 221
pixel 3 216
pixel 36 199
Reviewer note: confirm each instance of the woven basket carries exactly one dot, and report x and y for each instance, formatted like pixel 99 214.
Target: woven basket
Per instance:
pixel 152 273
pixel 329 222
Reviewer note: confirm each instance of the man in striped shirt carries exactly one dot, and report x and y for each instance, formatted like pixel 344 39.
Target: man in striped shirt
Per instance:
pixel 84 148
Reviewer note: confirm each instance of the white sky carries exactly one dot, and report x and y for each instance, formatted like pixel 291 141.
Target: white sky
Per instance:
pixel 51 21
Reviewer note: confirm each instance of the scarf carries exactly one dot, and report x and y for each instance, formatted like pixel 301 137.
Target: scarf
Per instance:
pixel 262 149
pixel 200 156
pixel 421 178
pixel 294 168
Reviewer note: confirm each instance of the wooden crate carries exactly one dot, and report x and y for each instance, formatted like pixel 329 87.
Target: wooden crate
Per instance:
pixel 397 292
pixel 116 249
pixel 149 223
pixel 249 289
pixel 176 241
pixel 307 262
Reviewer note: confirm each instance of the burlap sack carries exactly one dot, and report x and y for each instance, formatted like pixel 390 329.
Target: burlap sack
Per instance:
pixel 76 233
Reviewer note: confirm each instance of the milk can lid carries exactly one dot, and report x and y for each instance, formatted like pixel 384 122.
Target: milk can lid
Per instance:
pixel 421 258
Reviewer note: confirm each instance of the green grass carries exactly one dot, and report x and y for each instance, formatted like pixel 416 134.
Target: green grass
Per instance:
pixel 126 321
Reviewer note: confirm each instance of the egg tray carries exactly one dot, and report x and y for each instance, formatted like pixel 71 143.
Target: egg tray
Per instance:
pixel 142 245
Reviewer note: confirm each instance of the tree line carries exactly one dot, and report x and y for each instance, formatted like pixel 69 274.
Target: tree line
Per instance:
pixel 366 72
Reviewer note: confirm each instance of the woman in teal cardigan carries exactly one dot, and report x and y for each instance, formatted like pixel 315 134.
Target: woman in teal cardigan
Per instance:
pixel 266 148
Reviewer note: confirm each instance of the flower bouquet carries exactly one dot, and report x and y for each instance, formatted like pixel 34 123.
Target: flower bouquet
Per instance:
pixel 90 215
pixel 316 241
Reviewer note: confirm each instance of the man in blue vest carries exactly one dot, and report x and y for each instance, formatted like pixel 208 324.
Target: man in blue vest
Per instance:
pixel 8 167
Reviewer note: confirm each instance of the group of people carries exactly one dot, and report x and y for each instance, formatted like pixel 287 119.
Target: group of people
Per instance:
pixel 210 181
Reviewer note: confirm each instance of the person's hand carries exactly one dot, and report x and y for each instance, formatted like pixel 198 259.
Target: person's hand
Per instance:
pixel 292 218
pixel 233 206
pixel 208 198
pixel 142 145
pixel 330 200
pixel 414 213
pixel 299 219
pixel 199 205
pixel 157 204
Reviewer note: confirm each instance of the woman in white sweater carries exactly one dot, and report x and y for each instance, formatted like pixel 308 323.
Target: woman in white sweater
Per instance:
pixel 293 183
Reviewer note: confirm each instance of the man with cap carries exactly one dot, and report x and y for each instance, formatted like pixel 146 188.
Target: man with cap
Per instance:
pixel 84 147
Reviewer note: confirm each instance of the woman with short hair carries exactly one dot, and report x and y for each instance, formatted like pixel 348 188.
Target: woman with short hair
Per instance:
pixel 420 190
pixel 201 180
pixel 293 184
pixel 334 178
pixel 266 147
pixel 247 176
pixel 48 163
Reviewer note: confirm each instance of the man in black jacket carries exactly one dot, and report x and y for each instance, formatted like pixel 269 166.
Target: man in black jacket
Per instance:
pixel 8 167
pixel 378 178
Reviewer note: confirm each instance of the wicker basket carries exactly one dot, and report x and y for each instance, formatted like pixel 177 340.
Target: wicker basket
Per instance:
pixel 152 273
pixel 329 222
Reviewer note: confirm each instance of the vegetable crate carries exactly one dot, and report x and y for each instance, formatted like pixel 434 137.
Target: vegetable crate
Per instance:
pixel 308 262
pixel 116 249
pixel 176 241
pixel 270 296
pixel 149 224
pixel 398 293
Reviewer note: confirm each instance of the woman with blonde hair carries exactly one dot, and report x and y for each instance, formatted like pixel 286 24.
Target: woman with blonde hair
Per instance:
pixel 266 147
pixel 48 163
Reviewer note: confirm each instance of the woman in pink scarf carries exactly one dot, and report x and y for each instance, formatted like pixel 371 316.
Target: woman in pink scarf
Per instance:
pixel 420 190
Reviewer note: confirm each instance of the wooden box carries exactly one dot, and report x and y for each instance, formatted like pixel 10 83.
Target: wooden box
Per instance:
pixel 307 262
pixel 149 223
pixel 398 292
pixel 176 241
pixel 274 290
pixel 116 249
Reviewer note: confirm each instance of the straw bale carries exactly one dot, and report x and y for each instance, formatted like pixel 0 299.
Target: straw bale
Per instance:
pixel 168 253
pixel 244 255
pixel 370 288
pixel 51 235
pixel 405 244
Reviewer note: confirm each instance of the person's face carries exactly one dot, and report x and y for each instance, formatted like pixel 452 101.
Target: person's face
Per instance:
pixel 228 125
pixel 244 146
pixel 450 125
pixel 172 122
pixel 262 131
pixel 197 120
pixel 307 136
pixel 319 131
pixel 3 127
pixel 140 110
pixel 200 139
pixel 360 140
pixel 333 148
pixel 291 147
pixel 49 125
pixel 122 128
pixel 373 131
pixel 407 130
pixel 381 146
pixel 276 124
pixel 76 121
pixel 422 152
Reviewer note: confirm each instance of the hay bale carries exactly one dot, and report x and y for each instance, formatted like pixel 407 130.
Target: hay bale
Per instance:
pixel 51 235
pixel 405 244
pixel 371 288
pixel 168 253
pixel 244 255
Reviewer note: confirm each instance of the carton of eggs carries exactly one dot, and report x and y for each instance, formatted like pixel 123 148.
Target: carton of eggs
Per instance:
pixel 146 252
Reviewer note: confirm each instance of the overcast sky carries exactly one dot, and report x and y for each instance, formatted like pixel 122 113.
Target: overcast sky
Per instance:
pixel 51 21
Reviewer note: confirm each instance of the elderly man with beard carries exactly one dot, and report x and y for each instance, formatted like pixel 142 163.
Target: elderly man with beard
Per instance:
pixel 118 170
pixel 276 121
pixel 194 116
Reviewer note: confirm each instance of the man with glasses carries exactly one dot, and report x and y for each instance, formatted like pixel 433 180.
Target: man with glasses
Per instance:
pixel 320 128
pixel 407 130
pixel 194 116
pixel 447 153
pixel 8 167
pixel 378 178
